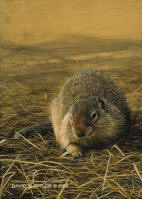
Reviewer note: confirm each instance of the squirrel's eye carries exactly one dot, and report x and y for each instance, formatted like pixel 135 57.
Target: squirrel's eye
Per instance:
pixel 93 115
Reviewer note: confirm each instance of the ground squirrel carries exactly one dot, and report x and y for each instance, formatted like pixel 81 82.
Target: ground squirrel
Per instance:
pixel 89 111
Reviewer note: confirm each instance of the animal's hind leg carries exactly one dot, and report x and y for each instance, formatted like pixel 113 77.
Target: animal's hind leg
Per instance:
pixel 56 117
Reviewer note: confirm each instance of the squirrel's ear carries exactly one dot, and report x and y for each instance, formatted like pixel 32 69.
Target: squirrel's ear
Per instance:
pixel 102 103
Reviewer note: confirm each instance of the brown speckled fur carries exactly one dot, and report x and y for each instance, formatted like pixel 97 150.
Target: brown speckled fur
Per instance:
pixel 71 110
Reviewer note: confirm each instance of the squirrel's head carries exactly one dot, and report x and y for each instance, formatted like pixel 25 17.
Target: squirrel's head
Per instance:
pixel 92 118
pixel 85 113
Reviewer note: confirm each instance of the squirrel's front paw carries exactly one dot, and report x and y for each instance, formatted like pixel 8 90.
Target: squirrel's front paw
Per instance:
pixel 74 150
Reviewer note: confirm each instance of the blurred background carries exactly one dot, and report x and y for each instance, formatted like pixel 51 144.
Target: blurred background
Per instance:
pixel 33 21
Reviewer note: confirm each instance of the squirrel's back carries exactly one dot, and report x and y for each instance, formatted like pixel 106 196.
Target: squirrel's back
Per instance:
pixel 93 82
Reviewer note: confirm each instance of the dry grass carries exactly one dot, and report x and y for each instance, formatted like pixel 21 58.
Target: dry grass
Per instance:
pixel 37 168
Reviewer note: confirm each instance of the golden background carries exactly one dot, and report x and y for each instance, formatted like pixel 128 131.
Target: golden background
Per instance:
pixel 34 21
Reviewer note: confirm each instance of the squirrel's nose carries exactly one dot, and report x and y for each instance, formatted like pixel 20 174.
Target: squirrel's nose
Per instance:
pixel 80 133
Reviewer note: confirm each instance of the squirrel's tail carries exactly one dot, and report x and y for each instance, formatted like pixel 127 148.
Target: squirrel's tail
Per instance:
pixel 42 129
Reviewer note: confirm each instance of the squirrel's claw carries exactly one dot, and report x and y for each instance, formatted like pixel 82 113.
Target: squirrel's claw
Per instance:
pixel 74 150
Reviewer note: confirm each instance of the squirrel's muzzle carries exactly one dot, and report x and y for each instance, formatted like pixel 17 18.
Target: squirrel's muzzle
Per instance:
pixel 80 133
